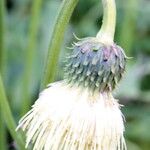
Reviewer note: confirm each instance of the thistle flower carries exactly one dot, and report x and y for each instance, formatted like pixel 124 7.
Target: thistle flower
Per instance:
pixel 80 113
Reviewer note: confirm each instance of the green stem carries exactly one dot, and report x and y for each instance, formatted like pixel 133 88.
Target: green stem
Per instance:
pixel 3 135
pixel 30 55
pixel 107 31
pixel 7 115
pixel 2 12
pixel 61 23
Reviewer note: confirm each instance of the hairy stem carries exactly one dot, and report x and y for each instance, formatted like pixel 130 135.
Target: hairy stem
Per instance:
pixel 61 23
pixel 107 31
pixel 7 115
pixel 30 54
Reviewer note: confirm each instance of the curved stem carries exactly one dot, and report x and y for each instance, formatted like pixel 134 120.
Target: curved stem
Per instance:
pixel 107 31
pixel 7 115
pixel 62 20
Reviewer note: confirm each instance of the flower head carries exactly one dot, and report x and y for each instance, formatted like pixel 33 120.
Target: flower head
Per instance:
pixel 80 113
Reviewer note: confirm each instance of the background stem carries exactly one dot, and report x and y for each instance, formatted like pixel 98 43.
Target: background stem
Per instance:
pixel 7 115
pixel 61 22
pixel 107 31
pixel 2 30
pixel 30 55
pixel 3 135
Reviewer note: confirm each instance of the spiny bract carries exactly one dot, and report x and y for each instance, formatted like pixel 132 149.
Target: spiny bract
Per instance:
pixel 95 65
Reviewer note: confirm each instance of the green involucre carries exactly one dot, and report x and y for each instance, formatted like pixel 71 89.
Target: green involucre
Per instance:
pixel 95 65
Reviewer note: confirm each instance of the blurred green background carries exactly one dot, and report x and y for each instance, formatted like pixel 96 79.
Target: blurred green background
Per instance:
pixel 132 33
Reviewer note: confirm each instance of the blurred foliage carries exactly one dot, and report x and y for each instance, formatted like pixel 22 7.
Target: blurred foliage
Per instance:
pixel 132 33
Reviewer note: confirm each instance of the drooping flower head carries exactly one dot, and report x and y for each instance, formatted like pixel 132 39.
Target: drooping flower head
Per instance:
pixel 80 113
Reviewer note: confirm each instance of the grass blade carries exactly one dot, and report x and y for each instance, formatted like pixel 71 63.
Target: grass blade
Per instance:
pixel 2 66
pixel 7 115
